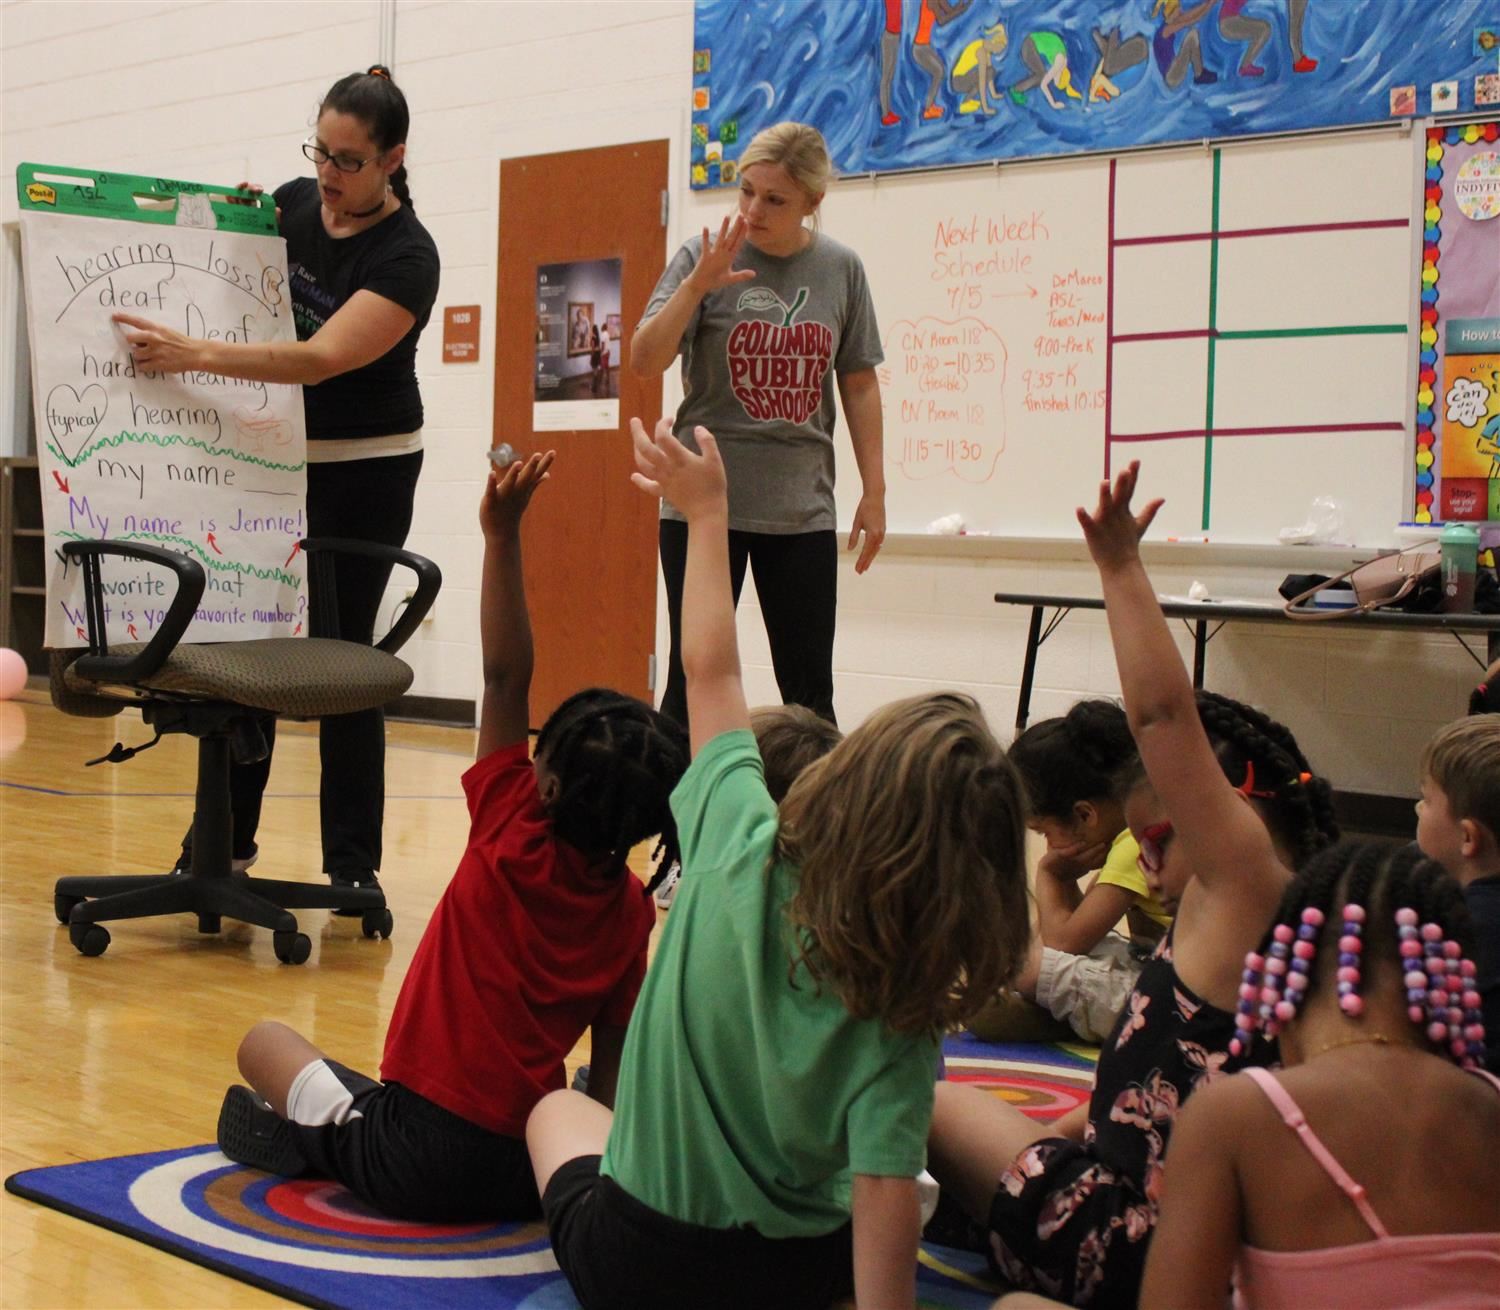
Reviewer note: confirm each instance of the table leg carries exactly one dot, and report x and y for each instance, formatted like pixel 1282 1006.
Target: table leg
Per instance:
pixel 1200 652
pixel 1028 669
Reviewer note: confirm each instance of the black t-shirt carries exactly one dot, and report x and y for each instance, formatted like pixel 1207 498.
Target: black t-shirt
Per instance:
pixel 396 259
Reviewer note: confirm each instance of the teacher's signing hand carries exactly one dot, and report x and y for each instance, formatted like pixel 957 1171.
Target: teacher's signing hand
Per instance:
pixel 156 347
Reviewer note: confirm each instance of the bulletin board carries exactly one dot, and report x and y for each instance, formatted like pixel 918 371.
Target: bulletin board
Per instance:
pixel 1458 378
pixel 211 466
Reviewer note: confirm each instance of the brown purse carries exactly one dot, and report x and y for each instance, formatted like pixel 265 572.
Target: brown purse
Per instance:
pixel 1384 580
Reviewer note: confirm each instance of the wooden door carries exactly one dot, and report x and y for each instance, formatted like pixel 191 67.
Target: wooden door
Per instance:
pixel 590 537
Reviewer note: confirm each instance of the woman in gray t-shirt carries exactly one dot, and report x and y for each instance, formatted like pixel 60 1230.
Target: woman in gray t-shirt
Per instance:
pixel 766 317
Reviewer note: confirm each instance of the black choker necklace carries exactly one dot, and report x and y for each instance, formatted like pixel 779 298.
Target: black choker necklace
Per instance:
pixel 366 213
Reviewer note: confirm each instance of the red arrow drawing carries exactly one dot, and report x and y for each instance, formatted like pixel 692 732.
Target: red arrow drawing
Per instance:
pixel 1030 292
pixel 130 628
pixel 296 546
pixel 297 629
pixel 81 633
pixel 214 544
pixel 62 482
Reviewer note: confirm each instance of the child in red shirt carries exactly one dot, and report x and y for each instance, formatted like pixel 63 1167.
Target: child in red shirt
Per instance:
pixel 540 935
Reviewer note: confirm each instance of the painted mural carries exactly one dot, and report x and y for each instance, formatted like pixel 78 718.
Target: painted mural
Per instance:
pixel 897 84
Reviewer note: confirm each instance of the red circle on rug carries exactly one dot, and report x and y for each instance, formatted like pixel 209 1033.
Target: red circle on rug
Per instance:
pixel 323 1204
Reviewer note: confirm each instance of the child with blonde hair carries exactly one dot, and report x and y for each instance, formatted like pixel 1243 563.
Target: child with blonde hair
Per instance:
pixel 1458 825
pixel 1362 1173
pixel 778 1074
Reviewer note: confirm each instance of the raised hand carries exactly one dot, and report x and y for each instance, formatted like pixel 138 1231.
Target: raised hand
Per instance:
pixel 695 484
pixel 1112 532
pixel 715 266
pixel 508 492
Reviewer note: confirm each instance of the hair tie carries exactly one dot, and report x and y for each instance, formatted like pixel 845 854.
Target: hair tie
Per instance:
pixel 378 70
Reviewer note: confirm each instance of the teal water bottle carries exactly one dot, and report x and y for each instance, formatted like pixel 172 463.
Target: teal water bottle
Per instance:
pixel 1459 546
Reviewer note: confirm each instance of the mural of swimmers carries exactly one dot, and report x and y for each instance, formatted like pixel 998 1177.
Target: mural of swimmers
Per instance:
pixel 1170 36
pixel 931 83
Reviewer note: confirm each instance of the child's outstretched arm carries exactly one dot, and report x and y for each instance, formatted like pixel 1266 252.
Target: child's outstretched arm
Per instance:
pixel 887 1230
pixel 1221 833
pixel 504 624
pixel 710 646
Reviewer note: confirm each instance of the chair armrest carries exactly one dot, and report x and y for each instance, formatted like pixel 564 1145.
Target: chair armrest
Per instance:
pixel 99 665
pixel 325 613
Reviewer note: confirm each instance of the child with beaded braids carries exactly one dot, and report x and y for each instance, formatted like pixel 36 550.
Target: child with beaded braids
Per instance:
pixel 1382 1194
pixel 540 936
pixel 1225 805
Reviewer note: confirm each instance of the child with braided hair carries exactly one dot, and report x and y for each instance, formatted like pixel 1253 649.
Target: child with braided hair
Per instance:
pixel 1223 808
pixel 540 936
pixel 1387 1198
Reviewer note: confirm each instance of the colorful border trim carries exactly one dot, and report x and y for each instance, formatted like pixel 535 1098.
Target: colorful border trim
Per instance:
pixel 1425 451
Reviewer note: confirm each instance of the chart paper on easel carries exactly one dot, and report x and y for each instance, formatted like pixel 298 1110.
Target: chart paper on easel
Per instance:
pixel 204 464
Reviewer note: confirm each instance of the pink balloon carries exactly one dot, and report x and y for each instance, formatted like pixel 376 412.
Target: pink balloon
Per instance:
pixel 12 672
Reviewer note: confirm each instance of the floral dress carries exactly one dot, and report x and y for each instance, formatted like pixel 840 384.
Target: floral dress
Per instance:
pixel 1074 1220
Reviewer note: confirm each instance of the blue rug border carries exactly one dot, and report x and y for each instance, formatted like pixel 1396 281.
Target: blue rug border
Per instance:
pixel 16 1186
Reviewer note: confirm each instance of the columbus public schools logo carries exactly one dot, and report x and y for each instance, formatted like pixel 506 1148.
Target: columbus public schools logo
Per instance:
pixel 776 369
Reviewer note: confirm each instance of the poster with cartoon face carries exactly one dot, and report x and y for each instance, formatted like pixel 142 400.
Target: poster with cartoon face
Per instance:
pixel 1471 436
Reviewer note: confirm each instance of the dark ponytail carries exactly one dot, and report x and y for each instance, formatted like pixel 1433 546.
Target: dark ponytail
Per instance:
pixel 375 99
pixel 1074 758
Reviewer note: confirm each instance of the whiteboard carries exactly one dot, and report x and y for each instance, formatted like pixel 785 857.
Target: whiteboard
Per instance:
pixel 210 466
pixel 1259 294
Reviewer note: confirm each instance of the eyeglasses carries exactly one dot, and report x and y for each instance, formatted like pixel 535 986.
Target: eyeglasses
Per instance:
pixel 344 163
pixel 1154 846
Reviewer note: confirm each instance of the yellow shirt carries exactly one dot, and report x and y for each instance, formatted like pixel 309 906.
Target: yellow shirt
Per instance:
pixel 1120 870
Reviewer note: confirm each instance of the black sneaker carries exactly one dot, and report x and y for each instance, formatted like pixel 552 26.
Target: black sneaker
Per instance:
pixel 353 878
pixel 252 1133
pixel 581 1079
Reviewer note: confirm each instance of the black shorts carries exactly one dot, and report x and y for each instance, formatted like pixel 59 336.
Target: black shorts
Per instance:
pixel 410 1158
pixel 619 1254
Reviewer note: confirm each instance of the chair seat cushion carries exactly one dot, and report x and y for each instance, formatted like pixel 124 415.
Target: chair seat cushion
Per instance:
pixel 306 677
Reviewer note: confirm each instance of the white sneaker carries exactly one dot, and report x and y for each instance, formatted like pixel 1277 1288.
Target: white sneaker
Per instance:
pixel 668 888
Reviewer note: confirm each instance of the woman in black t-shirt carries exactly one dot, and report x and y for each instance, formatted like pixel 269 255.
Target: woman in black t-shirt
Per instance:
pixel 363 275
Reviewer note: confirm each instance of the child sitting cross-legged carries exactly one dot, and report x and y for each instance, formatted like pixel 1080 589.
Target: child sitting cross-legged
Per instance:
pixel 1363 1172
pixel 540 936
pixel 1225 807
pixel 1080 970
pixel 778 1073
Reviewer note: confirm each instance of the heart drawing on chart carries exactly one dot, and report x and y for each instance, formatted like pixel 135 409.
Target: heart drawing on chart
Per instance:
pixel 73 417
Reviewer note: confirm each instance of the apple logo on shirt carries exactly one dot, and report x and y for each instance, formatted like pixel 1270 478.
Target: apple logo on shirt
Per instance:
pixel 776 370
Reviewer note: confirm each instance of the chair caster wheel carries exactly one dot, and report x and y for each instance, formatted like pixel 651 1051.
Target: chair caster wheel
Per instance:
pixel 62 906
pixel 377 923
pixel 89 938
pixel 292 947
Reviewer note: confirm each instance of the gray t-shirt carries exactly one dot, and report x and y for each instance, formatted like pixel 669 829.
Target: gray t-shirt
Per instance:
pixel 756 373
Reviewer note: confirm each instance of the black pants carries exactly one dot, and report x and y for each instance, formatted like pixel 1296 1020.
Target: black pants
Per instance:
pixel 796 578
pixel 619 1254
pixel 368 500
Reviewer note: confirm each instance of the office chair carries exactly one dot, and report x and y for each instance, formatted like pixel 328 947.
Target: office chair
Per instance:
pixel 221 693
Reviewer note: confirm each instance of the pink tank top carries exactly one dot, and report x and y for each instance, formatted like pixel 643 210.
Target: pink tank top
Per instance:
pixel 1436 1271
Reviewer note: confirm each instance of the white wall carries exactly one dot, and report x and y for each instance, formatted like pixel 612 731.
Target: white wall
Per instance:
pixel 225 91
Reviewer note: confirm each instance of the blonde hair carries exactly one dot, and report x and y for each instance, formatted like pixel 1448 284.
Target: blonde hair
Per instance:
pixel 801 151
pixel 1464 761
pixel 909 839
pixel 790 737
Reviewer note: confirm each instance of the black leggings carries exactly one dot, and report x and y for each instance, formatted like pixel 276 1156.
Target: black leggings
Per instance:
pixel 796 578
pixel 369 500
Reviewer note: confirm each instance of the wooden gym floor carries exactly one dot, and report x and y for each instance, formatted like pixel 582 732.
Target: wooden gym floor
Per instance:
pixel 131 1051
